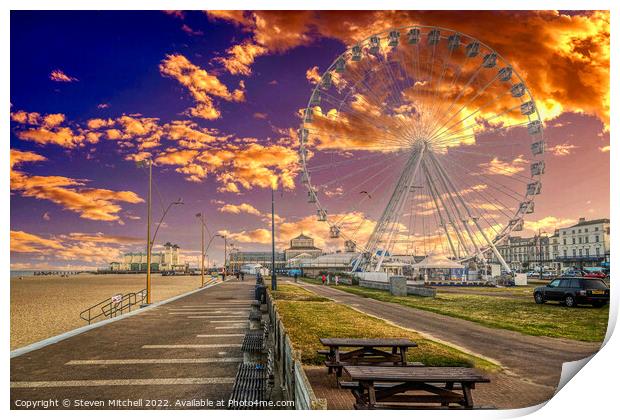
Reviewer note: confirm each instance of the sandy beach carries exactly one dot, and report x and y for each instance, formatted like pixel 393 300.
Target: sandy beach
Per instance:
pixel 44 306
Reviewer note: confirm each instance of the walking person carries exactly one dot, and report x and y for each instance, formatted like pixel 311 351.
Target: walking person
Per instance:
pixel 323 279
pixel 295 276
pixel 242 275
pixel 336 279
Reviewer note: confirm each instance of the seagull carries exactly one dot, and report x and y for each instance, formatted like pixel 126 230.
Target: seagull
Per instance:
pixel 365 192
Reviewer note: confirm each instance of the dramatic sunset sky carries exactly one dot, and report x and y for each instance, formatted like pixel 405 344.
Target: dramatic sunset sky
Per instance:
pixel 213 98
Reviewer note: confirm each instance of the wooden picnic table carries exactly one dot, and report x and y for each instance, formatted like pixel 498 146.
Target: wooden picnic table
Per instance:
pixel 412 387
pixel 365 351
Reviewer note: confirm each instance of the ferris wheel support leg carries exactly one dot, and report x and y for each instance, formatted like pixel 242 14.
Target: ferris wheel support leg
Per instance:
pixel 493 248
pixel 400 200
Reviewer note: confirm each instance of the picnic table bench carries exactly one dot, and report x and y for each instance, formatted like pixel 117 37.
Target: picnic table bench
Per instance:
pixel 364 351
pixel 412 387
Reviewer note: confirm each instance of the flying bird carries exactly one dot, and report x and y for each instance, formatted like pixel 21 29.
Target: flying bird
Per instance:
pixel 365 192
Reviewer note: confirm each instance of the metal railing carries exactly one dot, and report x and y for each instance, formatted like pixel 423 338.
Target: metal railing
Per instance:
pixel 113 306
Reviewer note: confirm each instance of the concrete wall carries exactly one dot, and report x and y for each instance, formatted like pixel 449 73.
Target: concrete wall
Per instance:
pixel 379 276
pixel 411 289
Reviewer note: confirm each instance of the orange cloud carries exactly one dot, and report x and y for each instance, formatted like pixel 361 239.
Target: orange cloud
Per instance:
pixel 240 208
pixel 71 194
pixel 26 242
pixel 202 85
pixel 60 76
pixel 563 58
pixel 499 167
pixel 312 75
pixel 563 149
pixel 548 224
pixel 241 57
pixel 354 224
pixel 48 129
pixel 93 248
pixel 237 17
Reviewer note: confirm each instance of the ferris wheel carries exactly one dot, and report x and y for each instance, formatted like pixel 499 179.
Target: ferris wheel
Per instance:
pixel 421 140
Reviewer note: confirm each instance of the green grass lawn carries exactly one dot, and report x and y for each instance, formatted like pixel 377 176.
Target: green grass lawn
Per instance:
pixel 308 317
pixel 295 293
pixel 516 314
pixel 516 291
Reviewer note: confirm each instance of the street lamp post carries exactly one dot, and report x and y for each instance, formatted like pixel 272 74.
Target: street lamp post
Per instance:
pixel 202 249
pixel 540 254
pixel 150 241
pixel 149 164
pixel 225 246
pixel 274 280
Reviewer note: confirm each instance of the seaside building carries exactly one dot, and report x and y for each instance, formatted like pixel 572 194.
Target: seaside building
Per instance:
pixel 585 244
pixel 167 260
pixel 238 259
pixel 522 253
pixel 302 244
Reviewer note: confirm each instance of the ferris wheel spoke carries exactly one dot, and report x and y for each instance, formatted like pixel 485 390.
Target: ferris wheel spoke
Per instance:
pixel 439 212
pixel 460 94
pixel 454 195
pixel 510 173
pixel 452 213
pixel 378 102
pixel 357 172
pixel 480 210
pixel 439 135
pixel 452 209
pixel 347 161
pixel 475 135
pixel 471 100
pixel 395 137
pixel 436 104
pixel 504 189
pixel 360 116
pixel 394 93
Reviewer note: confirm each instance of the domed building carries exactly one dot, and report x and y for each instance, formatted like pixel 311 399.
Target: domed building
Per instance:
pixel 302 244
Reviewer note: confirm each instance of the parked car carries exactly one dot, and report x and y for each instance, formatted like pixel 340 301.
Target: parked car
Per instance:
pixel 573 291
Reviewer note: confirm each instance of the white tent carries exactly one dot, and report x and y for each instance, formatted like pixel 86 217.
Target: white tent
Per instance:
pixel 437 261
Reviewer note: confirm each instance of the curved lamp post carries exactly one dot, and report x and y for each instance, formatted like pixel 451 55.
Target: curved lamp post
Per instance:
pixel 225 246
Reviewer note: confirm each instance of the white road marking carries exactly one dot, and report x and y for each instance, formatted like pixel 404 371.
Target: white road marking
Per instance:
pixel 218 335
pixel 224 310
pixel 231 318
pixel 236 327
pixel 188 346
pixel 224 321
pixel 218 305
pixel 122 382
pixel 154 361
pixel 233 315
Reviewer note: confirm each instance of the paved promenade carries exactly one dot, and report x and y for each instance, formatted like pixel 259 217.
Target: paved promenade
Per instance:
pixel 532 365
pixel 166 357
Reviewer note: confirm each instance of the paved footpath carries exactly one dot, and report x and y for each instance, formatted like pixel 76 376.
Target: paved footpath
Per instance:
pixel 170 355
pixel 532 364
